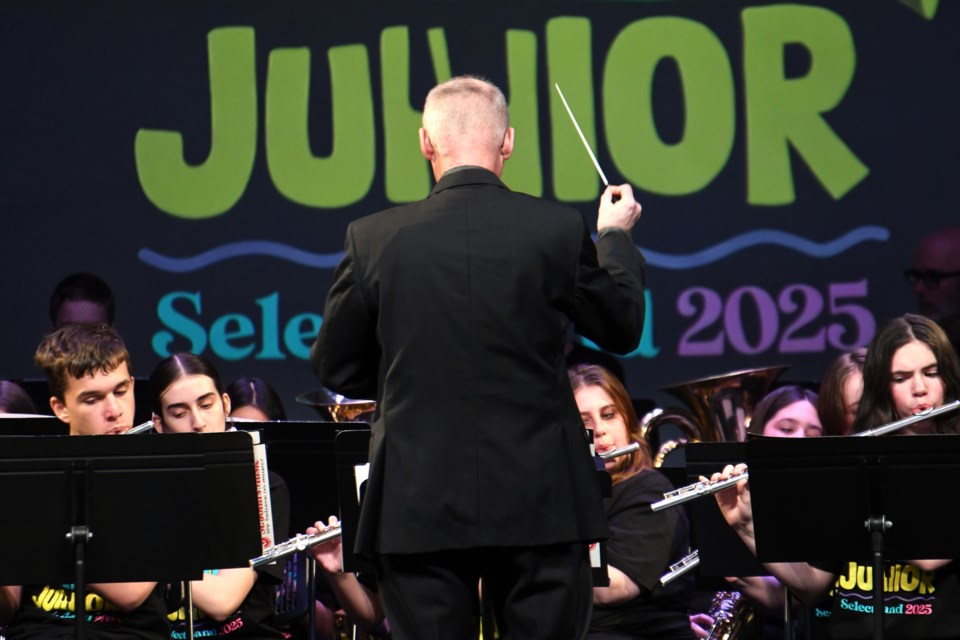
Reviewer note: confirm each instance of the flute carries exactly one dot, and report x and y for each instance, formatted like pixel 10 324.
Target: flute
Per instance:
pixel 909 420
pixel 695 490
pixel 299 542
pixel 622 451
pixel 698 489
pixel 140 428
pixel 677 569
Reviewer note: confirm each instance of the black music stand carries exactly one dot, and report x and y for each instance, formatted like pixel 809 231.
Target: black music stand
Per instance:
pixel 352 447
pixel 722 552
pixel 34 425
pixel 871 494
pixel 303 452
pixel 598 550
pixel 87 506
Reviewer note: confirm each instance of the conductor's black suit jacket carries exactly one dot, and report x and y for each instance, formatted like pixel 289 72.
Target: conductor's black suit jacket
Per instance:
pixel 452 313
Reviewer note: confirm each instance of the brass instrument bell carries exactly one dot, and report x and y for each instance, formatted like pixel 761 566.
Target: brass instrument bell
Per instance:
pixel 719 408
pixel 338 407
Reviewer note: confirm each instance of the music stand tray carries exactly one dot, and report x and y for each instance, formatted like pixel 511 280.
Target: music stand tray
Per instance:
pixel 303 453
pixel 822 499
pixel 34 425
pixel 132 493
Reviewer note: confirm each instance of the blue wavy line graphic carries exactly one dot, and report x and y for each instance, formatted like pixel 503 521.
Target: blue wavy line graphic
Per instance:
pixel 702 258
pixel 767 237
pixel 240 250
pixel 864 597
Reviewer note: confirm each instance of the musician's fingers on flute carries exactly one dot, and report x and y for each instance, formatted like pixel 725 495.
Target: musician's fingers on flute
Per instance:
pixel 319 527
pixel 329 554
pixel 728 472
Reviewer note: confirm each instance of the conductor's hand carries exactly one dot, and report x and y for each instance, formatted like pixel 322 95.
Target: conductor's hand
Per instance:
pixel 329 554
pixel 623 213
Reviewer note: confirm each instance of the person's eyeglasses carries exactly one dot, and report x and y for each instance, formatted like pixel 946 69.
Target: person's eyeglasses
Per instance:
pixel 930 279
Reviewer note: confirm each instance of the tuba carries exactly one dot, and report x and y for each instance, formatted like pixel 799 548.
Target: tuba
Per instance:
pixel 719 409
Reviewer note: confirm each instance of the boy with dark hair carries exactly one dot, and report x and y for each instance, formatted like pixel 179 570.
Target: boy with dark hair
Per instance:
pixel 87 368
pixel 88 372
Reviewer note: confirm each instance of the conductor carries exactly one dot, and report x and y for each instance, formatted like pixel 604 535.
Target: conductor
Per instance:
pixel 452 312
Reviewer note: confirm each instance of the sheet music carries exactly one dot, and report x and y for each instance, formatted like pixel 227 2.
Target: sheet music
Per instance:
pixel 262 476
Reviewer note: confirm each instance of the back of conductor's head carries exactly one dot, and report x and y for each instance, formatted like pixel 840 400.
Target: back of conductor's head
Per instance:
pixel 466 122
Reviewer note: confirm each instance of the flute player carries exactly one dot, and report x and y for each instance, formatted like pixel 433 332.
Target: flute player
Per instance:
pixel 910 367
pixel 87 370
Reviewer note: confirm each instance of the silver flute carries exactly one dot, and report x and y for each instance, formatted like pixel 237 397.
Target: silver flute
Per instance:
pixel 906 422
pixel 695 490
pixel 622 451
pixel 299 542
pixel 140 428
pixel 687 563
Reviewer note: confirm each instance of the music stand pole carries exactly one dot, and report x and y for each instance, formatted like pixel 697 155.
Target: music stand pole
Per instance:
pixel 877 526
pixel 188 598
pixel 787 617
pixel 79 536
pixel 310 566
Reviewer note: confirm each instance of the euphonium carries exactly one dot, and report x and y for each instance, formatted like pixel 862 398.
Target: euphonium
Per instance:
pixel 720 408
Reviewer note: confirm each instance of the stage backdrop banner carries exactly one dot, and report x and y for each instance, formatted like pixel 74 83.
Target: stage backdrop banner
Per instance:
pixel 205 158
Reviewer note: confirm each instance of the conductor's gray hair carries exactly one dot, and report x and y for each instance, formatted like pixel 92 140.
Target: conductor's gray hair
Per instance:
pixel 465 108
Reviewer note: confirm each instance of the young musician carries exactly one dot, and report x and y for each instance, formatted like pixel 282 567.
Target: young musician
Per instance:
pixel 13 399
pixel 254 399
pixel 840 392
pixel 188 396
pixel 82 298
pixel 910 367
pixel 87 369
pixel 787 412
pixel 643 544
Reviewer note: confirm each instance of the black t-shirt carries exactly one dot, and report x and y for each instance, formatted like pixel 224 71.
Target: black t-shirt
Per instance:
pixel 917 603
pixel 642 545
pixel 254 619
pixel 46 612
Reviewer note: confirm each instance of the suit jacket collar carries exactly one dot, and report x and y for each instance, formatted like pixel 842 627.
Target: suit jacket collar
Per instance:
pixel 458 177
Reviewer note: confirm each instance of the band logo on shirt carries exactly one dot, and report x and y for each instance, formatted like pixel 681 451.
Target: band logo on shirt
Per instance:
pixel 908 590
pixel 897 578
pixel 203 627
pixel 60 602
